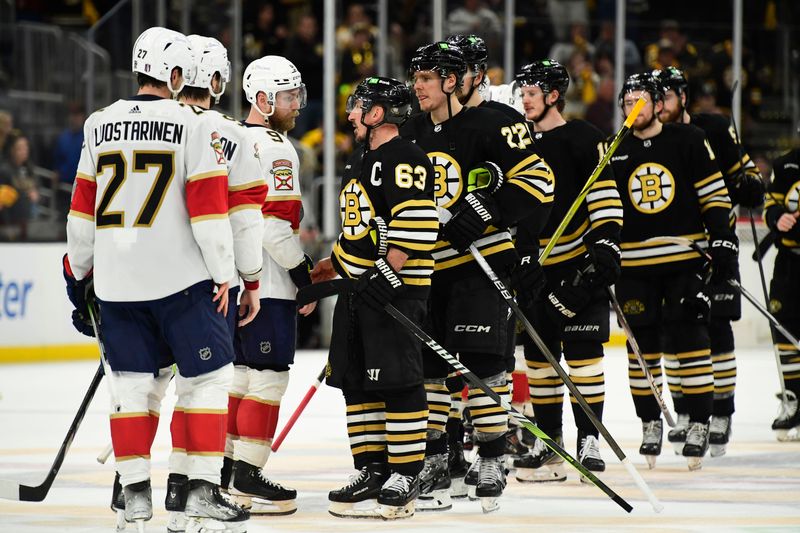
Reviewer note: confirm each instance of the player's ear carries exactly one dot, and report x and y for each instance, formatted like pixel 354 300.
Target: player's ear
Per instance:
pixel 176 76
pixel 553 96
pixel 450 83
pixel 261 100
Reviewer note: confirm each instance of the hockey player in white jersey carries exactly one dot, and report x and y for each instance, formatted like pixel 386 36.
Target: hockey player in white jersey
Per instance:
pixel 155 246
pixel 275 90
pixel 246 193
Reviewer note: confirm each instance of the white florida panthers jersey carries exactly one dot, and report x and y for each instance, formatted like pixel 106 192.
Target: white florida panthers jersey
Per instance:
pixel 281 211
pixel 149 208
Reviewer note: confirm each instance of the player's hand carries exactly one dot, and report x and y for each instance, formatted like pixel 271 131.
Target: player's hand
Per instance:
pixel 476 212
pixel 378 286
pixel 80 291
pixel 82 323
pixel 605 258
pixel 527 280
pixel 222 298
pixel 749 191
pixel 565 302
pixel 724 252
pixel 249 306
pixel 307 309
pixel 323 271
pixel 787 221
pixel 301 274
pixel 697 305
pixel 486 175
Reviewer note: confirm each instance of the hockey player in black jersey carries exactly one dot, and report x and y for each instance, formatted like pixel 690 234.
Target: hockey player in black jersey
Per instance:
pixel 746 188
pixel 571 313
pixel 389 227
pixel 782 210
pixel 470 147
pixel 670 186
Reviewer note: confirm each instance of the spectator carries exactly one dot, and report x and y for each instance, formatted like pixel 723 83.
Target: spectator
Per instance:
pixel 266 36
pixel 66 155
pixel 566 13
pixel 583 84
pixel 475 18
pixel 358 59
pixel 18 192
pixel 601 111
pixel 304 49
pixel 356 18
pixel 6 125
pixel 578 43
pixel 672 49
pixel 605 43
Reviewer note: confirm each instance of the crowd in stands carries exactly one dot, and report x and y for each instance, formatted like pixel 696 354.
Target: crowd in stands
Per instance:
pixel 35 185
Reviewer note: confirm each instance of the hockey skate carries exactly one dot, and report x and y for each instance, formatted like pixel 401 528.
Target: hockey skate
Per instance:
pixel 471 477
pixel 254 492
pixel 491 482
pixel 677 435
pixel 138 504
pixel 225 474
pixel 696 444
pixel 652 433
pixel 397 495
pixel 541 464
pixel 787 424
pixel 719 433
pixel 434 484
pixel 207 510
pixel 514 446
pixel 175 502
pixel 358 498
pixel 458 467
pixel 589 454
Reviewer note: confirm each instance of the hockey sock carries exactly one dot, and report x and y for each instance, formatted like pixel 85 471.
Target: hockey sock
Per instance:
pixel 690 344
pixel 672 368
pixel 438 398
pixel 547 395
pixel 790 366
pixel 131 427
pixel 366 428
pixel 406 429
pixel 488 418
pixel 235 395
pixel 587 374
pixel 723 363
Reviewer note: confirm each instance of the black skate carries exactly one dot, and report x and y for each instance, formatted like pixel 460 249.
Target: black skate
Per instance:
pixel 118 503
pixel 677 435
pixel 652 433
pixel 250 489
pixel 458 467
pixel 541 464
pixel 719 433
pixel 471 478
pixel 434 484
pixel 589 454
pixel 696 444
pixel 491 482
pixel 175 502
pixel 358 498
pixel 514 446
pixel 138 503
pixel 787 424
pixel 397 495
pixel 225 474
pixel 208 510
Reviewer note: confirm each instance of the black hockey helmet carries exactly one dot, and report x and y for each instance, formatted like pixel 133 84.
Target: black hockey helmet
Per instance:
pixel 548 74
pixel 645 81
pixel 672 78
pixel 393 95
pixel 441 57
pixel 474 49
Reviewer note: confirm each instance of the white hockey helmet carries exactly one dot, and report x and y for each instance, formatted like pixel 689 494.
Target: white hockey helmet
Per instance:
pixel 271 75
pixel 158 50
pixel 210 57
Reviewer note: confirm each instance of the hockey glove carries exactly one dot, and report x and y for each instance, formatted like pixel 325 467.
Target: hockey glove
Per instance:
pixel 605 258
pixel 566 301
pixel 697 305
pixel 301 274
pixel 477 212
pixel 78 291
pixel 748 191
pixel 527 280
pixel 379 232
pixel 486 176
pixel 82 323
pixel 378 286
pixel 724 252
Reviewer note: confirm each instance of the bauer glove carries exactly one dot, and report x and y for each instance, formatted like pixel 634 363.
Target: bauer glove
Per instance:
pixel 527 280
pixel 79 292
pixel 724 252
pixel 474 214
pixel 378 286
pixel 566 301
pixel 301 274
pixel 605 258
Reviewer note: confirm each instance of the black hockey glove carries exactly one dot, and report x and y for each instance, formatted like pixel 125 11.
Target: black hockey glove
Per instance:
pixel 485 176
pixel 724 252
pixel 82 323
pixel 301 274
pixel 566 301
pixel 378 286
pixel 696 304
pixel 475 213
pixel 527 280
pixel 379 232
pixel 605 258
pixel 78 291
pixel 748 191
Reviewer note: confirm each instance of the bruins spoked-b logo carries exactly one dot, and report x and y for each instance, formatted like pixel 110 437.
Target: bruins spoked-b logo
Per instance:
pixel 356 210
pixel 446 179
pixel 651 188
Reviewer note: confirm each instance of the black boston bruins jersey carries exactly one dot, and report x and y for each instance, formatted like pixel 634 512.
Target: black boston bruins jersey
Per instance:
pixel 731 157
pixel 573 151
pixel 669 185
pixel 394 182
pixel 783 196
pixel 456 146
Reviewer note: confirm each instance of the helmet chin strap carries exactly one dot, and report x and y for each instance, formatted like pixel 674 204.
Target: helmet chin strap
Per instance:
pixel 175 92
pixel 263 114
pixel 217 96
pixel 546 108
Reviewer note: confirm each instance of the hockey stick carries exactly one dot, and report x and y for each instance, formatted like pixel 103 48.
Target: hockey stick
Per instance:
pixel 682 241
pixel 297 412
pixel 323 289
pixel 640 358
pixel 626 127
pixel 305 294
pixel 11 490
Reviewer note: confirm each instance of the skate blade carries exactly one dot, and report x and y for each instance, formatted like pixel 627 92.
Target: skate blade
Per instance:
pixel 176 522
pixel 651 461
pixel 261 506
pixel 121 523
pixel 458 489
pixel 788 435
pixel 694 463
pixel 471 492
pixel 366 509
pixel 196 524
pixel 678 447
pixel 437 500
pixel 718 450
pixel 490 504
pixel 396 512
pixel 546 474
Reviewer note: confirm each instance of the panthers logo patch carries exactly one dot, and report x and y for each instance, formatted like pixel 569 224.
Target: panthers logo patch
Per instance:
pixel 356 210
pixel 651 188
pixel 447 184
pixel 633 307
pixel 282 175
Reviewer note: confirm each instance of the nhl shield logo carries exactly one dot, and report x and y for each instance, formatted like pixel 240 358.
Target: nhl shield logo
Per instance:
pixel 265 346
pixel 205 353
